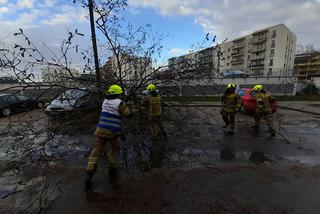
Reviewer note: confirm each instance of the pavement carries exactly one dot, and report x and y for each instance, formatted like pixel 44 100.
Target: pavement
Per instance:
pixel 206 169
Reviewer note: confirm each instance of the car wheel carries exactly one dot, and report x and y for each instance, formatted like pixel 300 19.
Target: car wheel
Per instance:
pixel 40 105
pixel 6 112
pixel 242 110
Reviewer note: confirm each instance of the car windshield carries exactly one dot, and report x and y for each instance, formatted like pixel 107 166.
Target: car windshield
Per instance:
pixel 241 93
pixel 3 98
pixel 20 97
pixel 253 93
pixel 72 94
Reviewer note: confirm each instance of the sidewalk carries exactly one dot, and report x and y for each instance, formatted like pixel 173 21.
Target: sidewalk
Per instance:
pixel 308 106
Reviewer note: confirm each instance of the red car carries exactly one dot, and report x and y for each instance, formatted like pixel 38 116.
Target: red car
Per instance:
pixel 249 101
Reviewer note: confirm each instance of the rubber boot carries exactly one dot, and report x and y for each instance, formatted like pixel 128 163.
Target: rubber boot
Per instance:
pixel 273 133
pixel 88 182
pixel 232 128
pixel 114 175
pixel 114 179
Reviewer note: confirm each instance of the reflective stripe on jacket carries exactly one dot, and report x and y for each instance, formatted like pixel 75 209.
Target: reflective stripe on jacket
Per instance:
pixel 110 119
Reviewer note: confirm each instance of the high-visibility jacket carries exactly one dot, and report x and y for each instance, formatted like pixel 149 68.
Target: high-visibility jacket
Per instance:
pixel 154 105
pixel 264 102
pixel 110 118
pixel 231 102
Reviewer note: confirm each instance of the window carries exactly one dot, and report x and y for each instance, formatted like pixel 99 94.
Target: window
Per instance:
pixel 229 50
pixel 271 53
pixel 274 34
pixel 20 97
pixel 228 64
pixel 273 44
pixel 253 93
pixel 271 62
pixel 241 93
pixel 12 99
pixel 228 57
pixel 270 71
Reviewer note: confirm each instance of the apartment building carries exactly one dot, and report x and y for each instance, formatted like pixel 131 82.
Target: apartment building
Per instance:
pixel 195 65
pixel 266 52
pixel 127 67
pixel 307 65
pixel 58 74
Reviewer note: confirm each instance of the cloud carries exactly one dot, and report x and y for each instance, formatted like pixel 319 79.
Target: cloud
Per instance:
pixel 25 3
pixel 231 19
pixel 49 3
pixel 4 10
pixel 67 15
pixel 3 1
pixel 44 22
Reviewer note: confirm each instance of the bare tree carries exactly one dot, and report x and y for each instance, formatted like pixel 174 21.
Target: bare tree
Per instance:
pixel 309 48
pixel 127 56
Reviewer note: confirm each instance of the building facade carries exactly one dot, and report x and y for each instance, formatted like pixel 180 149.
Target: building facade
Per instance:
pixel 307 65
pixel 267 52
pixel 128 67
pixel 58 75
pixel 195 65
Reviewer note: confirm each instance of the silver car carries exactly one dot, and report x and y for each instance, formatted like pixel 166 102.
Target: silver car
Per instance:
pixel 72 100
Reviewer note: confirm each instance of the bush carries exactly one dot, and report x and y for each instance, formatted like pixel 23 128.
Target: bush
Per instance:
pixel 311 89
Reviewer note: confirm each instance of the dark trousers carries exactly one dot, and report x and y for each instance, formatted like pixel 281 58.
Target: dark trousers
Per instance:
pixel 229 118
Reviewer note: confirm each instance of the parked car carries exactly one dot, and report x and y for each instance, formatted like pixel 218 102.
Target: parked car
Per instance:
pixel 12 103
pixel 73 100
pixel 249 101
pixel 235 74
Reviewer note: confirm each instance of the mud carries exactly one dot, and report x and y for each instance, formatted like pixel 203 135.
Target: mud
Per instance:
pixel 223 188
pixel 205 170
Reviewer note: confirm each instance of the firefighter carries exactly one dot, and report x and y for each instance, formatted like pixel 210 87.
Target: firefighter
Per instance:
pixel 153 103
pixel 231 103
pixel 263 108
pixel 109 130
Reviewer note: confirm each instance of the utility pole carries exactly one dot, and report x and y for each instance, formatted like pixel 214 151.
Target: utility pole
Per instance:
pixel 94 44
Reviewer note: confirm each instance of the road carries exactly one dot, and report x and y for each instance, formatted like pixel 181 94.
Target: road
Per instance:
pixel 262 174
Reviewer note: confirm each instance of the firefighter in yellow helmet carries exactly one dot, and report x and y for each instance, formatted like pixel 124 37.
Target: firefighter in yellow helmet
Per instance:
pixel 263 108
pixel 153 103
pixel 109 130
pixel 231 103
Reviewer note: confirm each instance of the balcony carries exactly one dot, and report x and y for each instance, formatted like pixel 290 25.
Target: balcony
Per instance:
pixel 259 39
pixel 237 53
pixel 236 62
pixel 260 56
pixel 256 66
pixel 258 48
pixel 237 45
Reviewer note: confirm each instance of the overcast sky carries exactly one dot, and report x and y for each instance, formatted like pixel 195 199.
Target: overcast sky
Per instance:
pixel 185 21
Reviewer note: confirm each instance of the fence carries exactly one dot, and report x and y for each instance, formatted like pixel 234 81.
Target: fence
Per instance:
pixel 216 86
